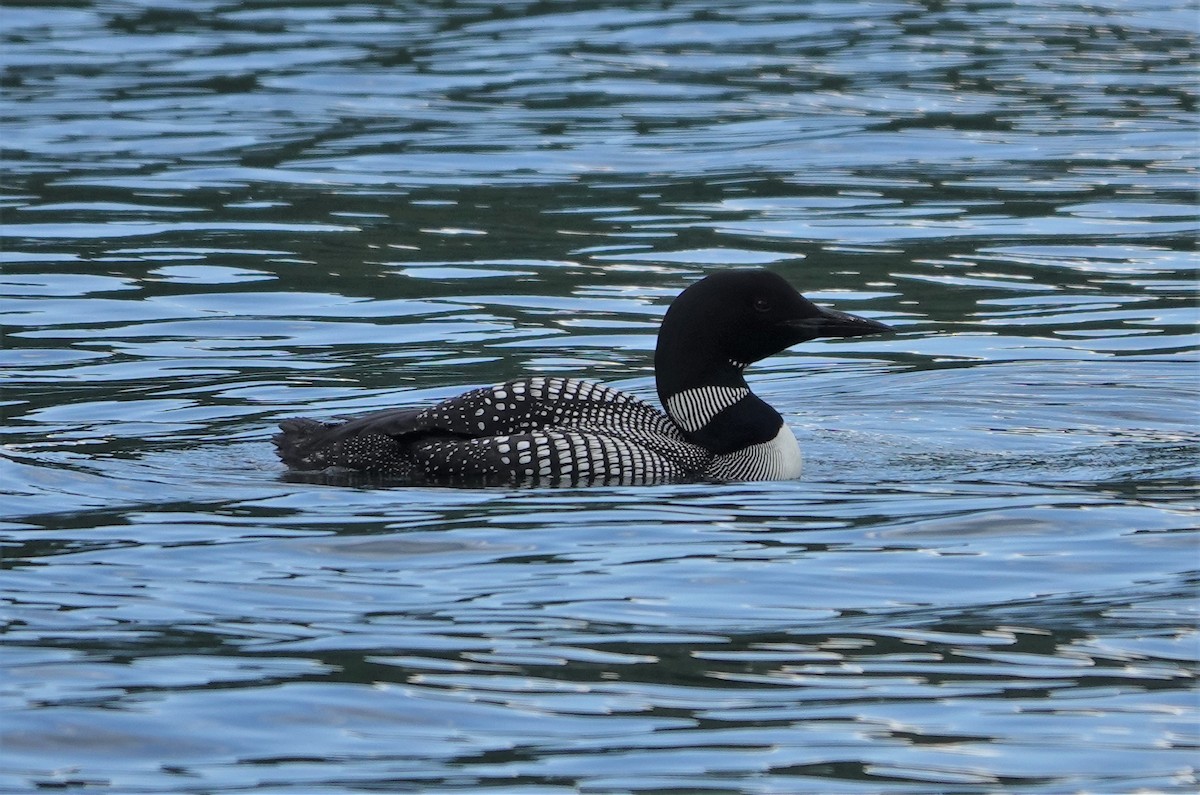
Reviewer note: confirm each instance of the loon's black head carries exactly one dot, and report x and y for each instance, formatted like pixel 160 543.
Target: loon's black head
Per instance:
pixel 730 319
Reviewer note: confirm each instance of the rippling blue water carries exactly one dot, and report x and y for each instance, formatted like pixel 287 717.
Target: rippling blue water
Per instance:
pixel 216 216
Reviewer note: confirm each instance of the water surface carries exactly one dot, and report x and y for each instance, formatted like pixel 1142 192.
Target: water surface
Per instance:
pixel 217 216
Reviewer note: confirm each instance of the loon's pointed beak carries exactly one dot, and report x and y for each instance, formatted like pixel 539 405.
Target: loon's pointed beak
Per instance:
pixel 832 323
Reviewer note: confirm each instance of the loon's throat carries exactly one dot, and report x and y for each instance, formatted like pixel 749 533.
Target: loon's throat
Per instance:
pixel 687 370
pixel 723 419
pixel 693 409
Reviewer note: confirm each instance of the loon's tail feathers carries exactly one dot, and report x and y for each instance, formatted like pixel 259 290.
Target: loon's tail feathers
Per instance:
pixel 297 440
pixel 367 442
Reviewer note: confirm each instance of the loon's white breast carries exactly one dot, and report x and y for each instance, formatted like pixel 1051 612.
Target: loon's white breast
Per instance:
pixel 778 459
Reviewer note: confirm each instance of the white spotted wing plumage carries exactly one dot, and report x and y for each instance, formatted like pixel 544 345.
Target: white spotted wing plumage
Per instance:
pixel 553 431
pixel 533 431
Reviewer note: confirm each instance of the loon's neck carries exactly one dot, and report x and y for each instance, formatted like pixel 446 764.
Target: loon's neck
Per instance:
pixel 700 376
pixel 714 407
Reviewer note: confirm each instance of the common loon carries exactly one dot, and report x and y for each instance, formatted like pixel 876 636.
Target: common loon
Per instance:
pixel 562 431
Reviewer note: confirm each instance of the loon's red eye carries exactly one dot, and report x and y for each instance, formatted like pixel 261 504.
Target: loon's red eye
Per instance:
pixel 762 305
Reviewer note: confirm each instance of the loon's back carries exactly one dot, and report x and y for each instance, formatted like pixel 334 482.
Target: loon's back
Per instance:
pixel 536 431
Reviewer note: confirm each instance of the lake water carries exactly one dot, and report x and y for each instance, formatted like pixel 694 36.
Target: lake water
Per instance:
pixel 221 215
